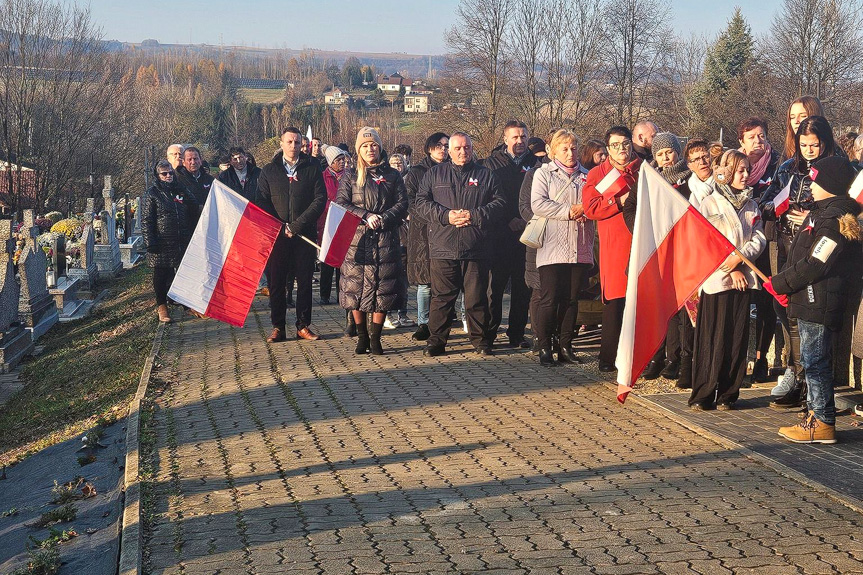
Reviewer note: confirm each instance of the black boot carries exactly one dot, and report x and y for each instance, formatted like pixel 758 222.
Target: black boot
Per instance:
pixel 565 354
pixel 546 358
pixel 375 338
pixel 362 336
pixel 350 326
pixel 684 381
pixel 671 371
pixel 422 333
pixel 760 373
pixel 794 399
pixel 652 370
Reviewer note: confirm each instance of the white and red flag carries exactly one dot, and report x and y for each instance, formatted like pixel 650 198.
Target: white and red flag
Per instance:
pixel 339 229
pixel 674 250
pixel 856 191
pixel 612 184
pixel 781 202
pixel 219 274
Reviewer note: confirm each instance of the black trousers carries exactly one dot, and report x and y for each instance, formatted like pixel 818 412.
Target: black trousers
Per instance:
pixel 162 279
pixel 678 339
pixel 559 285
pixel 509 268
pixel 789 324
pixel 765 314
pixel 612 322
pixel 721 343
pixel 534 312
pixel 291 257
pixel 327 273
pixel 448 278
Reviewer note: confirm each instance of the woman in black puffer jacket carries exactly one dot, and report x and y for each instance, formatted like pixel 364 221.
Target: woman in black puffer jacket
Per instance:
pixel 372 277
pixel 169 211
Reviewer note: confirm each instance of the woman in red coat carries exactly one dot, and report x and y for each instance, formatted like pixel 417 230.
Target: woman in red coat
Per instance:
pixel 604 194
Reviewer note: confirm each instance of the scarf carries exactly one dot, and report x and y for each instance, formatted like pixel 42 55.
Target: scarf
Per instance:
pixel 566 169
pixel 737 199
pixel 757 171
pixel 700 189
pixel 676 173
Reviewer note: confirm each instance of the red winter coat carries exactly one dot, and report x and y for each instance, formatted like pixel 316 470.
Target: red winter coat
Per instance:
pixel 615 239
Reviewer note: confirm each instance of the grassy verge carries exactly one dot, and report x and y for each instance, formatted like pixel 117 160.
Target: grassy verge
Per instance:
pixel 88 370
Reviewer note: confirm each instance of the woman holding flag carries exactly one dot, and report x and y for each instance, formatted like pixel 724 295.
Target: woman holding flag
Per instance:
pixel 722 324
pixel 371 280
pixel 786 205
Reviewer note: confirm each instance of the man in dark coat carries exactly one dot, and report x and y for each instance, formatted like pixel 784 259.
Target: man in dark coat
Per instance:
pixel 191 175
pixel 242 177
pixel 461 201
pixel 510 163
pixel 292 189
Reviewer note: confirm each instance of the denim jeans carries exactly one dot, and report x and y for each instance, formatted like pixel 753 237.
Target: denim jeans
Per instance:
pixel 423 302
pixel 815 355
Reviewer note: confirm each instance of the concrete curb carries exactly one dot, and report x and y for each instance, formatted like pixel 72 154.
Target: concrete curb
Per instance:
pixel 130 534
pixel 644 401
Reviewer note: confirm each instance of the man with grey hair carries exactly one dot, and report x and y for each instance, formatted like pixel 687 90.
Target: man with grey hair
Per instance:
pixel 174 154
pixel 642 139
pixel 461 201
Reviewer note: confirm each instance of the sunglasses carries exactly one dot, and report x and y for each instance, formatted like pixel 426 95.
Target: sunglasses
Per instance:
pixel 166 173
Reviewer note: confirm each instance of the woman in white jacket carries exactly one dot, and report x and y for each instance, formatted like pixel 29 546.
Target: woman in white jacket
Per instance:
pixel 567 250
pixel 722 324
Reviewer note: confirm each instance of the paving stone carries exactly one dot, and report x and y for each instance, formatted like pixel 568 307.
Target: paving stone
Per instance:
pixel 302 457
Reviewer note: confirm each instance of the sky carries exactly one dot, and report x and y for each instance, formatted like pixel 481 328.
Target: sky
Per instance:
pixel 414 27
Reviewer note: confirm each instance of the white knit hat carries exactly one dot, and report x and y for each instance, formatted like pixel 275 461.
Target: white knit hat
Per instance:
pixel 333 152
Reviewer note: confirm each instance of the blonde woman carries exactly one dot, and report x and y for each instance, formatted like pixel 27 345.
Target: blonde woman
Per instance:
pixel 567 251
pixel 371 275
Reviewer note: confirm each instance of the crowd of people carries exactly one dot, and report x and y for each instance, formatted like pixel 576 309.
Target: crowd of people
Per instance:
pixel 551 221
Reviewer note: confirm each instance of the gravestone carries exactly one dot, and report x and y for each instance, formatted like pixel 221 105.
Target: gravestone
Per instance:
pixel 136 226
pixel 65 290
pixel 58 256
pixel 131 248
pixel 15 341
pixel 87 273
pixel 35 306
pixel 107 252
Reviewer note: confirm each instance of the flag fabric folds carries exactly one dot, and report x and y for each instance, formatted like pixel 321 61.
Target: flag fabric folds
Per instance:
pixel 339 229
pixel 856 191
pixel 781 202
pixel 220 270
pixel 674 250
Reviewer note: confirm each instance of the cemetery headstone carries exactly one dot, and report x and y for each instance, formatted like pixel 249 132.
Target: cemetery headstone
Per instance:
pixel 107 253
pixel 35 306
pixel 15 341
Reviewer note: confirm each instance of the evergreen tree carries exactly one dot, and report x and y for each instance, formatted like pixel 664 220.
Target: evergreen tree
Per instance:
pixel 730 55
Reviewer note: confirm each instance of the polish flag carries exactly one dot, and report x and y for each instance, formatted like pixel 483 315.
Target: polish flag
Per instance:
pixel 674 250
pixel 339 229
pixel 221 268
pixel 612 184
pixel 856 191
pixel 781 202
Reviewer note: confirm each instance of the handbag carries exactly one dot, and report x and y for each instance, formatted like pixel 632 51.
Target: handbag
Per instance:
pixel 534 232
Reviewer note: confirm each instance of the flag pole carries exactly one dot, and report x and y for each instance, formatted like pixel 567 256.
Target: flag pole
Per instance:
pixel 308 241
pixel 751 265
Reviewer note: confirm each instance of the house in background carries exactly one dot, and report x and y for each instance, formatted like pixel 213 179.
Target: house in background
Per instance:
pixel 335 98
pixel 393 84
pixel 417 102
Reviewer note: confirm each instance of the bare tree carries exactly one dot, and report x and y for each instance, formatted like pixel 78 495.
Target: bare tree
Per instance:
pixel 633 49
pixel 477 63
pixel 530 35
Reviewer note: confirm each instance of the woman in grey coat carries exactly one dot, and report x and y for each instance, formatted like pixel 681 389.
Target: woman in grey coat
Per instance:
pixel 371 275
pixel 567 249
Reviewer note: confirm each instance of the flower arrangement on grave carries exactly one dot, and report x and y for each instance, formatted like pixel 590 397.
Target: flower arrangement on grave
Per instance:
pixel 73 254
pixel 71 227
pixel 54 216
pixel 44 223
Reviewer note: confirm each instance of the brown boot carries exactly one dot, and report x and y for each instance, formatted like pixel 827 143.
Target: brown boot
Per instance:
pixel 277 335
pixel 810 430
pixel 164 317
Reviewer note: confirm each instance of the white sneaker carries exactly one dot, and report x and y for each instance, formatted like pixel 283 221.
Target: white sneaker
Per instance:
pixel 858 409
pixel 464 325
pixel 785 383
pixel 405 321
pixel 391 324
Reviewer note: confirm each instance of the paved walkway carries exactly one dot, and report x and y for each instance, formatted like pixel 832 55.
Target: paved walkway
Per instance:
pixel 301 458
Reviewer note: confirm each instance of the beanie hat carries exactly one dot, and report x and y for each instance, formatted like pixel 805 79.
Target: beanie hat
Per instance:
pixel 367 134
pixel 333 152
pixel 665 140
pixel 536 146
pixel 834 174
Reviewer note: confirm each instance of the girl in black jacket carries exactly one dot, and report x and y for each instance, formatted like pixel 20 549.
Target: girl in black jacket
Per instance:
pixel 169 211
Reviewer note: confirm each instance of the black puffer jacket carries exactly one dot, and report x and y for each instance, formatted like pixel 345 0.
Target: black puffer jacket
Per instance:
pixel 199 186
pixel 298 202
pixel 824 266
pixel 510 175
pixel 418 231
pixel 372 278
pixel 470 187
pixel 170 213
